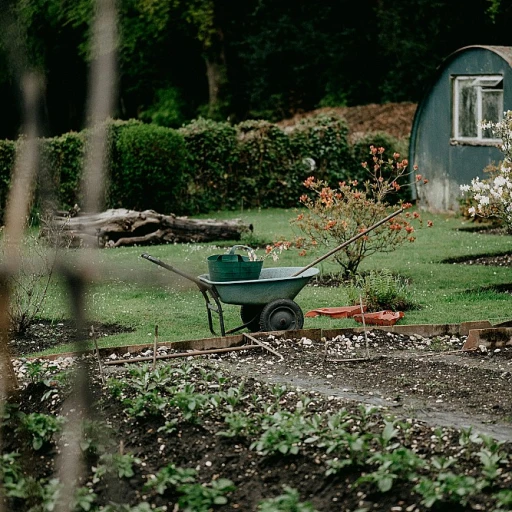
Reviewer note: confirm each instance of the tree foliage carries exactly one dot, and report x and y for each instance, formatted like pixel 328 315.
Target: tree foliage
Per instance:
pixel 231 60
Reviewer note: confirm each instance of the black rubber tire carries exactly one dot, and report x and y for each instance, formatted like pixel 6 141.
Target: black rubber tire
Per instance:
pixel 251 313
pixel 281 315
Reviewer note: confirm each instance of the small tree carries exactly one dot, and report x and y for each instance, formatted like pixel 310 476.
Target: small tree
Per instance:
pixel 335 215
pixel 492 197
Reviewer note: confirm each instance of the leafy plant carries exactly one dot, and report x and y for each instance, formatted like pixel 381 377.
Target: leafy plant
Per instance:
pixel 283 432
pixel 84 499
pixel 200 498
pixel 401 463
pixel 149 403
pixel 504 500
pixel 238 424
pixel 96 437
pixel 188 401
pixel 448 487
pixel 116 464
pixel 170 476
pixel 289 501
pixel 380 289
pixel 41 427
pixel 169 427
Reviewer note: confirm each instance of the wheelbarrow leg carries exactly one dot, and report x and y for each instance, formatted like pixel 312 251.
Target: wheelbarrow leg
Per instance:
pixel 217 308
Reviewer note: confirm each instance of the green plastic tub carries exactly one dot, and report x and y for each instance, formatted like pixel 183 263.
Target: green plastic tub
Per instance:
pixel 234 267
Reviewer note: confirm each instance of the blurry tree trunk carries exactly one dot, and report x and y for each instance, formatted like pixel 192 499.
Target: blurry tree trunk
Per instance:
pixel 216 72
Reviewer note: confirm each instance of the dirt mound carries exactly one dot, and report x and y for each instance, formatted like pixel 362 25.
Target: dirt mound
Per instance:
pixel 393 118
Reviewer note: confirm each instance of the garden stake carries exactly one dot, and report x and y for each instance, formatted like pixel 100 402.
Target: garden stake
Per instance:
pixel 348 242
pixel 155 346
pixel 182 354
pixel 364 328
pixel 94 337
pixel 261 344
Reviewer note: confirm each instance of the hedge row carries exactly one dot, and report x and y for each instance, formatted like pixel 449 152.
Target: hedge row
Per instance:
pixel 203 166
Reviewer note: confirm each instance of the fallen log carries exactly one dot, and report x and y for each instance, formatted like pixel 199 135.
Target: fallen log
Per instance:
pixel 122 227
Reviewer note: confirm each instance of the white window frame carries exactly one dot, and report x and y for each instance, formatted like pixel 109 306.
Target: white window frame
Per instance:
pixel 481 83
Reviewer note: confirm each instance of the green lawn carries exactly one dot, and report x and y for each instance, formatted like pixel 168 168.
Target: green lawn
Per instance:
pixel 136 293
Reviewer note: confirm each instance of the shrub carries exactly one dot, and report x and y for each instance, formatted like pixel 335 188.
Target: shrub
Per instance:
pixel 392 145
pixel 147 168
pixel 334 216
pixel 211 155
pixel 262 174
pixel 380 290
pixel 168 109
pixel 492 197
pixel 323 139
pixel 61 166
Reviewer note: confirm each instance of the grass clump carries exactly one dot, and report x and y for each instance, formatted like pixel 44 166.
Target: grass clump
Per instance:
pixel 381 290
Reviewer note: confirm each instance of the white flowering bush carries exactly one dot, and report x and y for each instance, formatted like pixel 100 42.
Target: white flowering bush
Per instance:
pixel 492 197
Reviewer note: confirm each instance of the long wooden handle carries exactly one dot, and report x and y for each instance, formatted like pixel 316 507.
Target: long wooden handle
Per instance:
pixel 202 286
pixel 344 244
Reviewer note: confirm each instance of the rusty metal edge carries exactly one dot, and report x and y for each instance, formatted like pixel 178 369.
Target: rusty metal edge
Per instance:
pixel 426 330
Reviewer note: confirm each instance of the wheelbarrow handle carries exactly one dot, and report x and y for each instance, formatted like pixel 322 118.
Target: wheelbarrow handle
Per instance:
pixel 202 286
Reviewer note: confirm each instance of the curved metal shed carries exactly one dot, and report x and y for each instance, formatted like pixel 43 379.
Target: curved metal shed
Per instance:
pixel 447 142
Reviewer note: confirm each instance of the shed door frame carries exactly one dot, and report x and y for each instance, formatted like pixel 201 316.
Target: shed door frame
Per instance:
pixel 475 99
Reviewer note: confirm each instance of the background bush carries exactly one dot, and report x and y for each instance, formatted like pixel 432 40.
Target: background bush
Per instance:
pixel 205 165
pixel 61 166
pixel 324 139
pixel 147 169
pixel 212 154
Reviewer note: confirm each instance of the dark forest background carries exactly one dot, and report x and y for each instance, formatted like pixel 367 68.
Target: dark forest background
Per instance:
pixel 236 60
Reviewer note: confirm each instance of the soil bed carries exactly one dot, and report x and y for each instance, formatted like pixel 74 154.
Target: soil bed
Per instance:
pixel 421 386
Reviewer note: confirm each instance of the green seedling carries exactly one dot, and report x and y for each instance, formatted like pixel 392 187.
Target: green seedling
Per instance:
pixel 170 477
pixel 42 427
pixel 289 501
pixel 117 464
pixel 201 498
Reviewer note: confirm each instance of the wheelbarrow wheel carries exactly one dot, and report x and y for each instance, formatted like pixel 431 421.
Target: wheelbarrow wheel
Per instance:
pixel 250 314
pixel 281 315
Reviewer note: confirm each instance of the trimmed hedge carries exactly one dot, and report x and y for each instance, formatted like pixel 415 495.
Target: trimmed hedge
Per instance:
pixel 61 165
pixel 212 154
pixel 148 165
pixel 205 165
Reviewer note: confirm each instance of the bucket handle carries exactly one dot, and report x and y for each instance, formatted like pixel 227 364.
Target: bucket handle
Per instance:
pixel 250 251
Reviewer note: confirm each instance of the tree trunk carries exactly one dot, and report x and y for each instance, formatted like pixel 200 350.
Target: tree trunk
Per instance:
pixel 121 227
pixel 215 60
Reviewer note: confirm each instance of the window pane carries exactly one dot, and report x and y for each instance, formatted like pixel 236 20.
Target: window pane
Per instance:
pixel 492 109
pixel 467 110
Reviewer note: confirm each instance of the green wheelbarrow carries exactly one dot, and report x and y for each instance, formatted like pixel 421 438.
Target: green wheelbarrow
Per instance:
pixel 266 303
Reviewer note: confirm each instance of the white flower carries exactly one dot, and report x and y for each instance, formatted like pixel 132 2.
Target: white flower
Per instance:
pixel 499 181
pixel 465 188
pixel 472 211
pixel 484 200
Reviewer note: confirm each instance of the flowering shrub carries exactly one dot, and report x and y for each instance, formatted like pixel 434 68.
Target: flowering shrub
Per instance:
pixel 492 197
pixel 335 215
